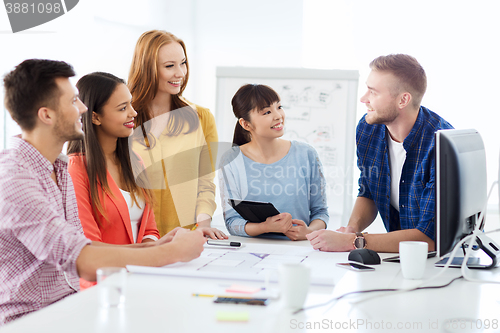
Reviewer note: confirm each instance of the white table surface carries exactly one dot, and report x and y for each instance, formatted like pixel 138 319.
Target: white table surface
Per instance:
pixel 157 303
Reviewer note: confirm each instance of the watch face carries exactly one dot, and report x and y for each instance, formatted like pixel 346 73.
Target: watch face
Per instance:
pixel 359 242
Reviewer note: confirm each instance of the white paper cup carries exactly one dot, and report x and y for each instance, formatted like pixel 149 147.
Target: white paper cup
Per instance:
pixel 294 284
pixel 413 256
pixel 112 282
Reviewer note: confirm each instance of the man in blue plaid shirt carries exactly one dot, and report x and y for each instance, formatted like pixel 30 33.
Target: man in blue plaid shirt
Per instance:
pixel 395 150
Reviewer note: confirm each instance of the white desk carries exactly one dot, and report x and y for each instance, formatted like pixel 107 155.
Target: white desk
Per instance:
pixel 165 304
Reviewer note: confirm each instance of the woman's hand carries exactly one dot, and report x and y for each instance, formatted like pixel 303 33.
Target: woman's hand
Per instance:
pixel 203 220
pixel 213 233
pixel 298 231
pixel 278 223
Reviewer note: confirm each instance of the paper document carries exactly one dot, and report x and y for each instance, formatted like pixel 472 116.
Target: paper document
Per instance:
pixel 254 262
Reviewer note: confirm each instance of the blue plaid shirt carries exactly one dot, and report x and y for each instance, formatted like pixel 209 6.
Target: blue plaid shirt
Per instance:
pixel 416 187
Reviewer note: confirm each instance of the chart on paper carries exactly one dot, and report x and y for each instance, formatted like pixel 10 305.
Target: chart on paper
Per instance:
pixel 253 262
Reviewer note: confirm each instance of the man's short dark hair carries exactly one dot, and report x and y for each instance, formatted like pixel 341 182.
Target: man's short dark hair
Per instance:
pixel 30 86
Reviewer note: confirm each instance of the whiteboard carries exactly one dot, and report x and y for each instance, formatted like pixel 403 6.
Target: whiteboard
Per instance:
pixel 320 109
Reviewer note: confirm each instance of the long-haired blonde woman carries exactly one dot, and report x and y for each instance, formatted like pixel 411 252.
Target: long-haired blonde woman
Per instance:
pixel 175 138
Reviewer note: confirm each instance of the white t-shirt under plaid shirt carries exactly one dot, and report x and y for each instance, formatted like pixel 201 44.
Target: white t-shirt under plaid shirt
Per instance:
pixel 40 232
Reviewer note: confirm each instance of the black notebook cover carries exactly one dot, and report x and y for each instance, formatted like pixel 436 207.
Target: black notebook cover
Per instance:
pixel 254 211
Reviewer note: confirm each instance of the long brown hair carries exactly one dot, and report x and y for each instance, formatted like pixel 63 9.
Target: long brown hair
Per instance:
pixel 95 89
pixel 246 99
pixel 143 83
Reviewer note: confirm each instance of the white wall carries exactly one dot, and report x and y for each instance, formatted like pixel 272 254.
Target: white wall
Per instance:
pixel 100 35
pixel 456 42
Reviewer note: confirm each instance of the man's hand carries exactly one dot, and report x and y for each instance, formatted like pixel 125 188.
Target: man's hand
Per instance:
pixel 347 230
pixel 189 244
pixel 329 240
pixel 169 236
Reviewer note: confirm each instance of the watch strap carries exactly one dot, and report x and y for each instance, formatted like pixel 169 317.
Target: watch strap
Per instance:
pixel 359 241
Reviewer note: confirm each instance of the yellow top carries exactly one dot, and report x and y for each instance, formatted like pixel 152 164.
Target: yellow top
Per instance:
pixel 181 169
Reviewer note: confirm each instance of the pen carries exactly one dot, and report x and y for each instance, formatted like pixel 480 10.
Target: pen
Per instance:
pixel 195 226
pixel 223 243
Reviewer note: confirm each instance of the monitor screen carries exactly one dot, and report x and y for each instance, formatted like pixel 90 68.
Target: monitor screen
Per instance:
pixel 461 189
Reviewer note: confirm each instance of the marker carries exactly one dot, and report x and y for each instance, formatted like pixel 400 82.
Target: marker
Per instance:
pixel 195 226
pixel 223 243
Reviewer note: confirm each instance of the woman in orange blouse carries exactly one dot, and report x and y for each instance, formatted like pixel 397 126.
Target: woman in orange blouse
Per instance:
pixel 113 206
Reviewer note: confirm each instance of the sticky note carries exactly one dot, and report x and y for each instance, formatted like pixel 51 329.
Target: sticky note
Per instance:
pixel 237 288
pixel 232 315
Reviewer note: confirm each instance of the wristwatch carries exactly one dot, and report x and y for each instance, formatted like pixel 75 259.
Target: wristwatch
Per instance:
pixel 359 241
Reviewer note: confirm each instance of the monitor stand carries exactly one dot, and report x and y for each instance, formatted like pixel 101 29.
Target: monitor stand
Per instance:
pixel 484 243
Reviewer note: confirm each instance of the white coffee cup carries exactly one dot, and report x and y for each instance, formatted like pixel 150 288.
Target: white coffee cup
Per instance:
pixel 413 257
pixel 294 284
pixel 112 282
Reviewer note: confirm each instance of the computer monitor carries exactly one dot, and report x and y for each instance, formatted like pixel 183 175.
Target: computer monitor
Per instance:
pixel 461 189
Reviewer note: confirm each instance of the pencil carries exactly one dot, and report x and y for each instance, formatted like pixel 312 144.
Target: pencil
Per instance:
pixel 203 295
pixel 195 226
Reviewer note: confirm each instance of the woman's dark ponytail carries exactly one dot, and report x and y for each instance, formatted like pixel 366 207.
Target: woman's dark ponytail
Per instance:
pixel 246 99
pixel 241 136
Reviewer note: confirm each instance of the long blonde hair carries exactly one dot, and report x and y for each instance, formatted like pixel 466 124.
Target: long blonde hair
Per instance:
pixel 143 82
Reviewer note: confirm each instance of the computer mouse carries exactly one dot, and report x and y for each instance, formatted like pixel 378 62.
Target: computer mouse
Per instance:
pixel 364 256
